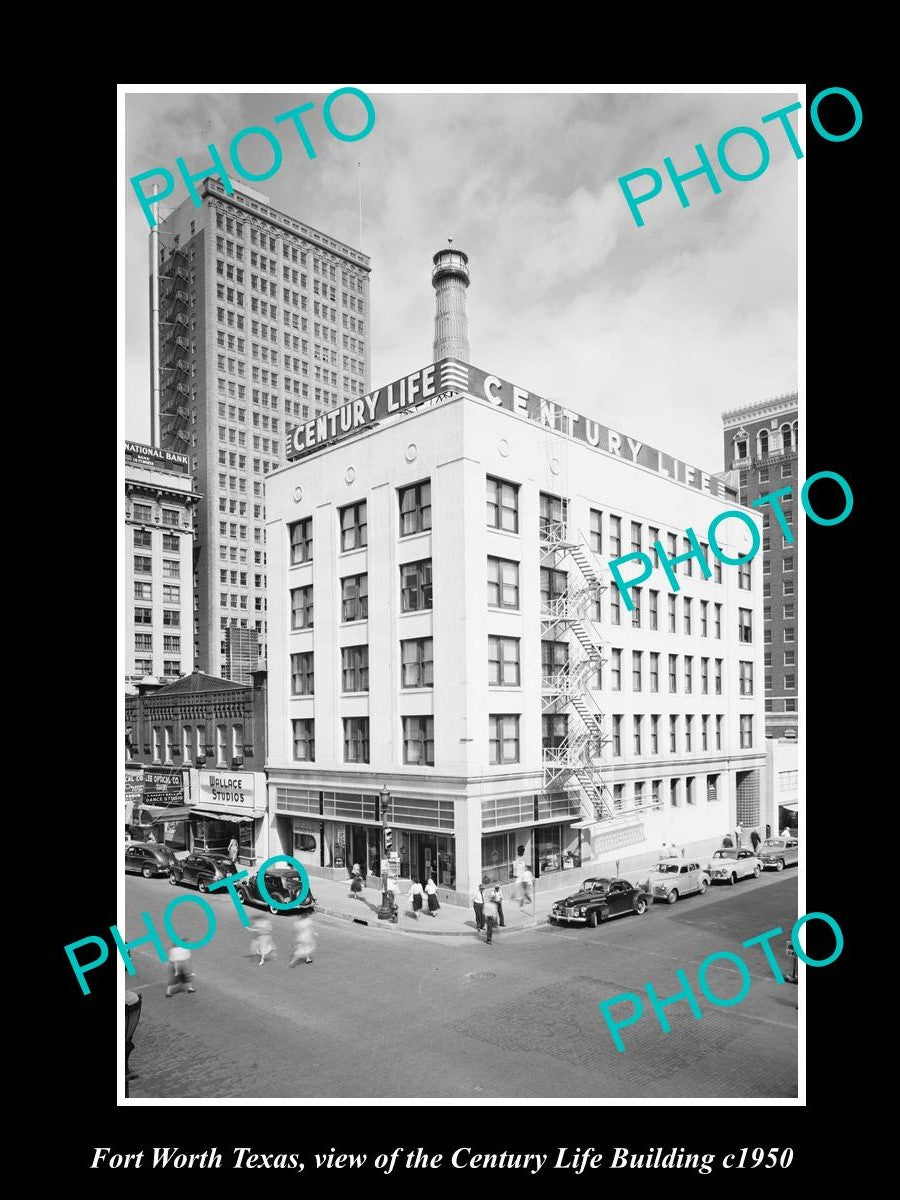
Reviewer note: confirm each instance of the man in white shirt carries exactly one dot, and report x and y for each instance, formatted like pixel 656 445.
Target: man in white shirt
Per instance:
pixel 478 905
pixel 490 917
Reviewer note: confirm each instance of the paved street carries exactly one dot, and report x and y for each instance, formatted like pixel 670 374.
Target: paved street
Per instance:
pixel 407 1014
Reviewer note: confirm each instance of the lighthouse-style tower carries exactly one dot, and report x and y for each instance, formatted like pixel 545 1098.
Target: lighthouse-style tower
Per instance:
pixel 450 278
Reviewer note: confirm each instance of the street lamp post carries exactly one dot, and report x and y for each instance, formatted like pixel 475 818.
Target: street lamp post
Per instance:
pixel 386 911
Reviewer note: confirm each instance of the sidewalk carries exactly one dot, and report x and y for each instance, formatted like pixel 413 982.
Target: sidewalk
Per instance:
pixel 333 899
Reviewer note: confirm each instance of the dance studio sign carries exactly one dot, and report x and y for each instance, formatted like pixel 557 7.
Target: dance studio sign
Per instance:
pixel 423 387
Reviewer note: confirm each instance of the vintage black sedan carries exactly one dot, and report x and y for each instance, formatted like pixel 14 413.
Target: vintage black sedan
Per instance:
pixel 283 884
pixel 600 900
pixel 201 870
pixel 148 859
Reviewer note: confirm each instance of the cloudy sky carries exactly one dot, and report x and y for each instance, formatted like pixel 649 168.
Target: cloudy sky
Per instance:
pixel 654 331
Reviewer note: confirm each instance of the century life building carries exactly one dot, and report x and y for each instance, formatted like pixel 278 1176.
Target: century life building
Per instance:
pixel 263 323
pixel 761 454
pixel 441 626
pixel 160 503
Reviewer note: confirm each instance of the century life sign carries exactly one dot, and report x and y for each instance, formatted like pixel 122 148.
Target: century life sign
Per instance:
pixel 424 387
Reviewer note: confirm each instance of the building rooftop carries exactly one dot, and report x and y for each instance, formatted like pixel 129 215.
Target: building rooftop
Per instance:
pixel 197 681
pixel 782 403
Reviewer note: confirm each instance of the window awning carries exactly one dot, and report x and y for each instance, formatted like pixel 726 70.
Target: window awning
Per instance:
pixel 160 813
pixel 792 807
pixel 224 816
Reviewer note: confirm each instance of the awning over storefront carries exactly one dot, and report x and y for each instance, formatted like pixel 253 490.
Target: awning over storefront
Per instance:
pixel 223 816
pixel 160 813
pixel 792 807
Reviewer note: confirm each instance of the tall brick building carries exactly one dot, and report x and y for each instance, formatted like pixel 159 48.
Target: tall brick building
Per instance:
pixel 761 451
pixel 263 324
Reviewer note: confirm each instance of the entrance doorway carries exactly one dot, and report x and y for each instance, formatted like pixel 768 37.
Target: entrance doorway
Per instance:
pixel 364 842
pixel 424 854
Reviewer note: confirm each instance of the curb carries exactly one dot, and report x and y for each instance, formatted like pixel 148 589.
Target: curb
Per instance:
pixel 390 927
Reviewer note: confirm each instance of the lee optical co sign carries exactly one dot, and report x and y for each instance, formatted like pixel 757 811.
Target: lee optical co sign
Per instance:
pixel 226 790
pixel 425 386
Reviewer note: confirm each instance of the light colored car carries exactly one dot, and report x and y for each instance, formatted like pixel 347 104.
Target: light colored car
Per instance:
pixel 730 865
pixel 672 878
pixel 777 853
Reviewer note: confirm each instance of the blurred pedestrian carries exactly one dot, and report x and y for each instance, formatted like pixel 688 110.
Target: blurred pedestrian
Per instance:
pixel 180 973
pixel 416 895
pixel 525 881
pixel 304 939
pixel 478 905
pixel 233 850
pixel 490 918
pixel 431 893
pixel 737 835
pixel 261 935
pixel 356 882
pixel 497 897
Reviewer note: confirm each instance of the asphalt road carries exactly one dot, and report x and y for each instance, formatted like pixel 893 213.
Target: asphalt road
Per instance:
pixel 386 1014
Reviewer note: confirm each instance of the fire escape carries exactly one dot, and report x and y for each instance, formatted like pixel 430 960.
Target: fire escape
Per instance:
pixel 175 348
pixel 572 763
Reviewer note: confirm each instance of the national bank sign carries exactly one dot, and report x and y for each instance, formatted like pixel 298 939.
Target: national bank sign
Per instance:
pixel 424 387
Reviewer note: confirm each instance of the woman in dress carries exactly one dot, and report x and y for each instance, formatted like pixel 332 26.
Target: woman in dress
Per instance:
pixel 262 943
pixel 304 940
pixel 431 893
pixel 416 893
pixel 356 882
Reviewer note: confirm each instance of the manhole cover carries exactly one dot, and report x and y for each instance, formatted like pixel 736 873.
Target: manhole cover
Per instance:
pixel 480 976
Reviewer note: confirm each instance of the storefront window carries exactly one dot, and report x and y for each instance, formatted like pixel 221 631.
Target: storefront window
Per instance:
pixel 557 848
pixel 210 835
pixel 498 853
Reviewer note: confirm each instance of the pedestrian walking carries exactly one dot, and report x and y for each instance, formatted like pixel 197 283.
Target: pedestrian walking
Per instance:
pixel 416 895
pixel 497 897
pixel 525 882
pixel 180 973
pixel 261 935
pixel 356 882
pixel 304 940
pixel 233 850
pixel 431 893
pixel 478 905
pixel 737 836
pixel 490 918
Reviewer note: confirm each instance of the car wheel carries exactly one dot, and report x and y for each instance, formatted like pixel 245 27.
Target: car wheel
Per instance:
pixel 274 911
pixel 146 872
pixel 672 896
pixel 756 870
pixel 640 906
pixel 703 886
pixel 592 920
pixel 733 879
pixel 201 886
pixel 172 880
pixel 779 866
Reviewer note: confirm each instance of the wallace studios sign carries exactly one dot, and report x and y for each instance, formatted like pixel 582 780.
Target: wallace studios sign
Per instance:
pixel 423 387
pixel 231 790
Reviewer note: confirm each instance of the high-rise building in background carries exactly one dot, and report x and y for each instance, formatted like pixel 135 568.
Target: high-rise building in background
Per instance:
pixel 264 324
pixel 159 514
pixel 761 452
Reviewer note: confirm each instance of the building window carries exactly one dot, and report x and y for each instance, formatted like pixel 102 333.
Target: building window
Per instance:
pixel 503 662
pixel 745 625
pixel 704 732
pixel 687 606
pixel 143 539
pixel 637 725
pixel 762 443
pixel 354 531
pixel 688 673
pixel 354 597
pixel 596 531
pixel 170 516
pixel 704 676
pixel 142 513
pixel 673 672
pixel 301 541
pixel 554 659
pixel 615 537
pixel 746 731
pixel 554 730
pixel 637 670
pixel 617 735
pixel 718 622
pixel 654 671
pixel 746 678
pixel 718 676
pixel 415 508
pixel 302 674
pixel 502 505
pixel 719 731
pixel 615 607
pixel 787 436
pixel 143 616
pixel 171 668
pixel 503 736
pixel 143 642
pixel 143 666
pixel 673 793
pixel 636 611
pixel 187 745
pixel 155 743
pixel 654 733
pixel 417 663
pixel 304 739
pixel 502 583
pixel 221 745
pixel 673 734
pixel 790 683
pixel 355 668
pixel 654 609
pixel 788 635
pixel 552 514
pixel 744 577
pixel 415 586
pixel 672 615
pixel 689 790
pixel 615 670
pixel 553 586
pixel 143 565
pixel 636 531
pixel 790 658
pixel 143 591
pixel 302 607
pixel 418 741
pixel 356 739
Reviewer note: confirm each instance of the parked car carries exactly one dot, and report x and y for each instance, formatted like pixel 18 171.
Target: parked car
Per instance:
pixel 673 877
pixel 777 853
pixel 148 859
pixel 201 870
pixel 284 885
pixel 730 865
pixel 600 900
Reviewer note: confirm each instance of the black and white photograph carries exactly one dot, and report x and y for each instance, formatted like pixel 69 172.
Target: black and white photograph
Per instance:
pixel 464 513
